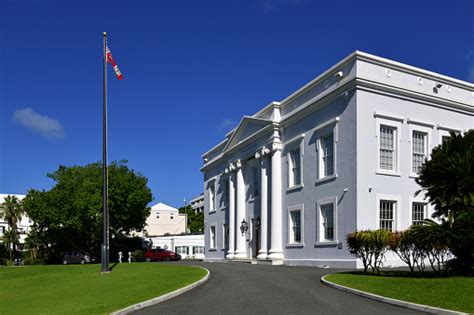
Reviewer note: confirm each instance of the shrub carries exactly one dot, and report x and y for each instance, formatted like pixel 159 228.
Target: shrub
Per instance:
pixel 379 246
pixel 138 255
pixel 432 240
pixel 369 246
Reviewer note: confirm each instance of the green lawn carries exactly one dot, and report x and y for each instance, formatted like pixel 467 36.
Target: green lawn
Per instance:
pixel 455 293
pixel 82 289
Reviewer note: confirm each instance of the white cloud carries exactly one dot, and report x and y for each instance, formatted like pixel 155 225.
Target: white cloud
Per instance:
pixel 225 124
pixel 41 124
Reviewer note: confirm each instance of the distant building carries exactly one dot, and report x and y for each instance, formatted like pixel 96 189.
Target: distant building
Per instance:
pixel 23 227
pixel 188 246
pixel 197 203
pixel 165 220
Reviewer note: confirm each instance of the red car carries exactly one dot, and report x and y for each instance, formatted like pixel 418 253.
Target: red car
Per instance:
pixel 157 254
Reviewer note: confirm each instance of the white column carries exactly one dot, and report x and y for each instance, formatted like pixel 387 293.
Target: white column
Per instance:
pixel 230 253
pixel 240 251
pixel 262 253
pixel 276 251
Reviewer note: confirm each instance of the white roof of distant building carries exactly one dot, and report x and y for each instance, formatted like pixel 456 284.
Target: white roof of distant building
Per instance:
pixel 163 207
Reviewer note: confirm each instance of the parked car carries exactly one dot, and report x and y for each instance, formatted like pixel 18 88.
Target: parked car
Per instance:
pixel 157 254
pixel 78 257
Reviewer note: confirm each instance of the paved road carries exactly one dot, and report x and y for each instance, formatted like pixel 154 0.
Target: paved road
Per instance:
pixel 238 288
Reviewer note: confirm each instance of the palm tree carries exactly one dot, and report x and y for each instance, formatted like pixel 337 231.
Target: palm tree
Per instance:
pixel 10 238
pixel 11 210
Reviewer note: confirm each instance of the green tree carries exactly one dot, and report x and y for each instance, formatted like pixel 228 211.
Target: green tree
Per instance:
pixel 69 216
pixel 195 220
pixel 11 210
pixel 447 179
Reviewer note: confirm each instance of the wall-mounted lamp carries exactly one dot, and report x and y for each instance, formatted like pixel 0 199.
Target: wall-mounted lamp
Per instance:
pixel 339 75
pixel 244 226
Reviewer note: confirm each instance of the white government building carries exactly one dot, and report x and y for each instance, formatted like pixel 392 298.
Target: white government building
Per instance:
pixel 338 155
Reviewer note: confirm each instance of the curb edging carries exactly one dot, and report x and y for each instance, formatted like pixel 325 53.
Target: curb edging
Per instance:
pixel 162 298
pixel 383 299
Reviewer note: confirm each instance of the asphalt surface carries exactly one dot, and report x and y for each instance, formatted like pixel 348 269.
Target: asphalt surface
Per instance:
pixel 239 288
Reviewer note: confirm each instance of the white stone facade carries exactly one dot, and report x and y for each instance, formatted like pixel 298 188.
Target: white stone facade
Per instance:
pixel 188 246
pixel 165 220
pixel 339 155
pixel 197 203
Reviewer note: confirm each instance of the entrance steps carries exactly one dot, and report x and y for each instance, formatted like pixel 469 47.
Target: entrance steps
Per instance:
pixel 257 261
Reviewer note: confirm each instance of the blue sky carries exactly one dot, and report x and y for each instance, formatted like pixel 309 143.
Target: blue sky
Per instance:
pixel 191 70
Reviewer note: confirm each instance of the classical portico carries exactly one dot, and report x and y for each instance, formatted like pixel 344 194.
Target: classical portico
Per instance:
pixel 269 162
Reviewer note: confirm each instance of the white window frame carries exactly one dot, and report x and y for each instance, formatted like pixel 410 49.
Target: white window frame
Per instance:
pixel 291 145
pixel 397 210
pixel 444 132
pixel 323 130
pixel 427 129
pixel 225 192
pixel 212 248
pixel 418 199
pixel 212 205
pixel 290 240
pixel 395 123
pixel 320 239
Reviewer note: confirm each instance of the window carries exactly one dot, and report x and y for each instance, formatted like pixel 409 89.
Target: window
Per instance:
pixel 387 214
pixel 294 168
pixel 326 216
pixel 327 155
pixel 418 211
pixel 255 182
pixel 171 217
pixel 212 196
pixel 225 193
pixel 419 150
pixel 198 250
pixel 295 233
pixel 388 154
pixel 157 215
pixel 182 250
pixel 327 220
pixel 2 230
pixel 212 237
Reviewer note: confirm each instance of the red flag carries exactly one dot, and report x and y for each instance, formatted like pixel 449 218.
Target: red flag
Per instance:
pixel 111 60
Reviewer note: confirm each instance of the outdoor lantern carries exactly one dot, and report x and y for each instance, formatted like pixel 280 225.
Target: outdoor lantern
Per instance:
pixel 244 227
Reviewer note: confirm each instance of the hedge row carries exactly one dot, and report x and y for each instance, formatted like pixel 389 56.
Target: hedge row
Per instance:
pixel 415 246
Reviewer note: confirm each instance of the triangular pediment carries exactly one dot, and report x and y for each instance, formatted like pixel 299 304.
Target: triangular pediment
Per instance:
pixel 247 127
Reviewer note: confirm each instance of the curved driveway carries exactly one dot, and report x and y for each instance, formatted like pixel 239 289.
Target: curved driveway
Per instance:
pixel 239 288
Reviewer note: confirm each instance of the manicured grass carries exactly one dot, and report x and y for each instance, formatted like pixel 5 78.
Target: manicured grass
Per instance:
pixel 454 293
pixel 81 289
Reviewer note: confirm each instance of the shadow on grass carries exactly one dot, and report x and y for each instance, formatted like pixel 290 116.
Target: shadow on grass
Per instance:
pixel 402 274
pixel 113 266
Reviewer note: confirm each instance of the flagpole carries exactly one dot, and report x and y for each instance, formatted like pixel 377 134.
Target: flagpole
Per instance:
pixel 105 244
